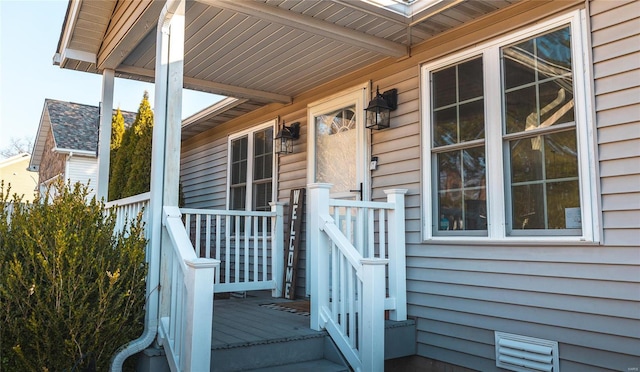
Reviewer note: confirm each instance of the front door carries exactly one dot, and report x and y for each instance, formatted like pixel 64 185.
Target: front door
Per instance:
pixel 338 145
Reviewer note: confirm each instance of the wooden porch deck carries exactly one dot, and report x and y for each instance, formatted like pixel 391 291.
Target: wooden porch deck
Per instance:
pixel 256 319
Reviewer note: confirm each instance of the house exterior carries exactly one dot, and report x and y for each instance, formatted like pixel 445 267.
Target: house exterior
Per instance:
pixel 13 171
pixel 66 143
pixel 516 137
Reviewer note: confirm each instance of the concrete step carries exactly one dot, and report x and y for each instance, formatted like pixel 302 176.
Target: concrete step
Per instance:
pixel 277 354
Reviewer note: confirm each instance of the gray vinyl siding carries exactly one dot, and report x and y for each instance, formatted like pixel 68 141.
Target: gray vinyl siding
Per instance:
pixel 585 297
pixel 616 64
pixel 203 175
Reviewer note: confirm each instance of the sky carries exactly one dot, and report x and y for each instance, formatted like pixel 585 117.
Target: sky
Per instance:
pixel 29 34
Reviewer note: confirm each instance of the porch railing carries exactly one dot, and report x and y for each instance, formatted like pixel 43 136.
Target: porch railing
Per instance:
pixel 248 245
pixel 186 332
pixel 128 209
pixel 349 278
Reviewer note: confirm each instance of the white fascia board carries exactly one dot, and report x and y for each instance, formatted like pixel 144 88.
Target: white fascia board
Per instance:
pixel 213 110
pixel 72 152
pixel 77 55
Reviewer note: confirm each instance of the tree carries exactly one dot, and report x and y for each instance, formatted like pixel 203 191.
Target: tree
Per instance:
pixel 117 129
pixel 132 161
pixel 17 146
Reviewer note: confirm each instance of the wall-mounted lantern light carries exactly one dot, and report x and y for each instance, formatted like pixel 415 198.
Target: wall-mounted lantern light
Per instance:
pixel 380 107
pixel 285 137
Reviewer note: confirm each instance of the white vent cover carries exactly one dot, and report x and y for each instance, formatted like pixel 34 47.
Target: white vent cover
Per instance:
pixel 526 354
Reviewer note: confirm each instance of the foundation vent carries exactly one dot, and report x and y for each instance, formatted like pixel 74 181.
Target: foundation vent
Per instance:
pixel 526 354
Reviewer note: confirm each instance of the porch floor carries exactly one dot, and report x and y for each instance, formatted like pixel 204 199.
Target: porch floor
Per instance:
pixel 251 320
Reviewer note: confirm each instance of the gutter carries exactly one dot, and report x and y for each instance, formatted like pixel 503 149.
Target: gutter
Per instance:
pixel 72 152
pixel 152 305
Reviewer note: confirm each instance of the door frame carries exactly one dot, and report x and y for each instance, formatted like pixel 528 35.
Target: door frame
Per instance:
pixel 359 95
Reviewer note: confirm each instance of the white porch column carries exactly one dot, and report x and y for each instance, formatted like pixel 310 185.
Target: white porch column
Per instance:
pixel 165 158
pixel 104 139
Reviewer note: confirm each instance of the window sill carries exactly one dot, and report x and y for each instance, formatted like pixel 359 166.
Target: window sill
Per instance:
pixel 511 241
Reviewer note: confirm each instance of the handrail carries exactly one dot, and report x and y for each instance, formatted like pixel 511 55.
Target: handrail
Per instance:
pixel 186 330
pixel 336 236
pixel 348 278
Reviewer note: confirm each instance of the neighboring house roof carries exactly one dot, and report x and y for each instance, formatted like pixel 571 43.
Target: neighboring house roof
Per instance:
pixel 74 127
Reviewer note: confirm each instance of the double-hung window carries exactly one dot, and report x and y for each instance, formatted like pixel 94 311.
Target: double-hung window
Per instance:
pixel 508 138
pixel 251 165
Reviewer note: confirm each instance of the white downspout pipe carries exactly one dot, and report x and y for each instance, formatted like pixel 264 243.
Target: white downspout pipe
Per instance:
pixel 157 191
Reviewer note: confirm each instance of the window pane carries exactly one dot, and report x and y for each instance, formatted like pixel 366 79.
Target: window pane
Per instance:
pixel 474 167
pixel 518 62
pixel 237 198
pixel 561 155
pixel 470 80
pixel 563 199
pixel 528 207
pixel 449 171
pixel 520 110
pixel 444 87
pixel 475 209
pixel 450 210
pixel 262 196
pixel 472 121
pixel 554 53
pixel 556 104
pixel 445 127
pixel 526 160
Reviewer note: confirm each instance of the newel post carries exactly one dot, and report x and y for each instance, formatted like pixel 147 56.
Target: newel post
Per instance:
pixel 319 251
pixel 277 242
pixel 373 295
pixel 397 254
pixel 199 313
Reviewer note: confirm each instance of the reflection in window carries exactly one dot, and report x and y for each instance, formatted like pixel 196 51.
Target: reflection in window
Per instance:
pixel 540 133
pixel 459 146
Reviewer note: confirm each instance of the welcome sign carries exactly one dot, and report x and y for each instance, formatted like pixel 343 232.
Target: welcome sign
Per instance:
pixel 296 211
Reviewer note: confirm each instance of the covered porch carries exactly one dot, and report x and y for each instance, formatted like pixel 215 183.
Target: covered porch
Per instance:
pixel 226 274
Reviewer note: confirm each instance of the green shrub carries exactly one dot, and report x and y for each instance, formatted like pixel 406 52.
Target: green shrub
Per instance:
pixel 71 290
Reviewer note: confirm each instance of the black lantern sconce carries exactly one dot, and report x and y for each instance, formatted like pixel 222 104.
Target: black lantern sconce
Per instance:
pixel 379 109
pixel 285 137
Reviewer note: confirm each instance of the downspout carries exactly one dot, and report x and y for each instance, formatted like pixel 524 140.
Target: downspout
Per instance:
pixel 155 203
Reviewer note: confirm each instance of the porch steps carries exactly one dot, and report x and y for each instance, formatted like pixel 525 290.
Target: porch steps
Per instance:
pixel 259 334
pixel 311 353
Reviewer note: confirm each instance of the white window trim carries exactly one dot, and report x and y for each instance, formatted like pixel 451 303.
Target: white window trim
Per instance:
pixel 274 178
pixel 494 144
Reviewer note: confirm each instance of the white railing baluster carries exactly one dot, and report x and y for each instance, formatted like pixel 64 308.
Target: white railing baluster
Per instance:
pixel 227 257
pixel 255 247
pixel 187 224
pixel 371 234
pixel 218 249
pixel 197 238
pixel 208 237
pixel 236 248
pixel 382 234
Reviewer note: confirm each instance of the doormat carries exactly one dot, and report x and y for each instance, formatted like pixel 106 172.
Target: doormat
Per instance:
pixel 296 307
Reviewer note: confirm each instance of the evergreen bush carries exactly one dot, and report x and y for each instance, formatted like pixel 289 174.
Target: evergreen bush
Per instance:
pixel 72 290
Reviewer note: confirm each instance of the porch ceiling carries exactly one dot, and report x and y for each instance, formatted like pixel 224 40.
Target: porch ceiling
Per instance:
pixel 259 51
